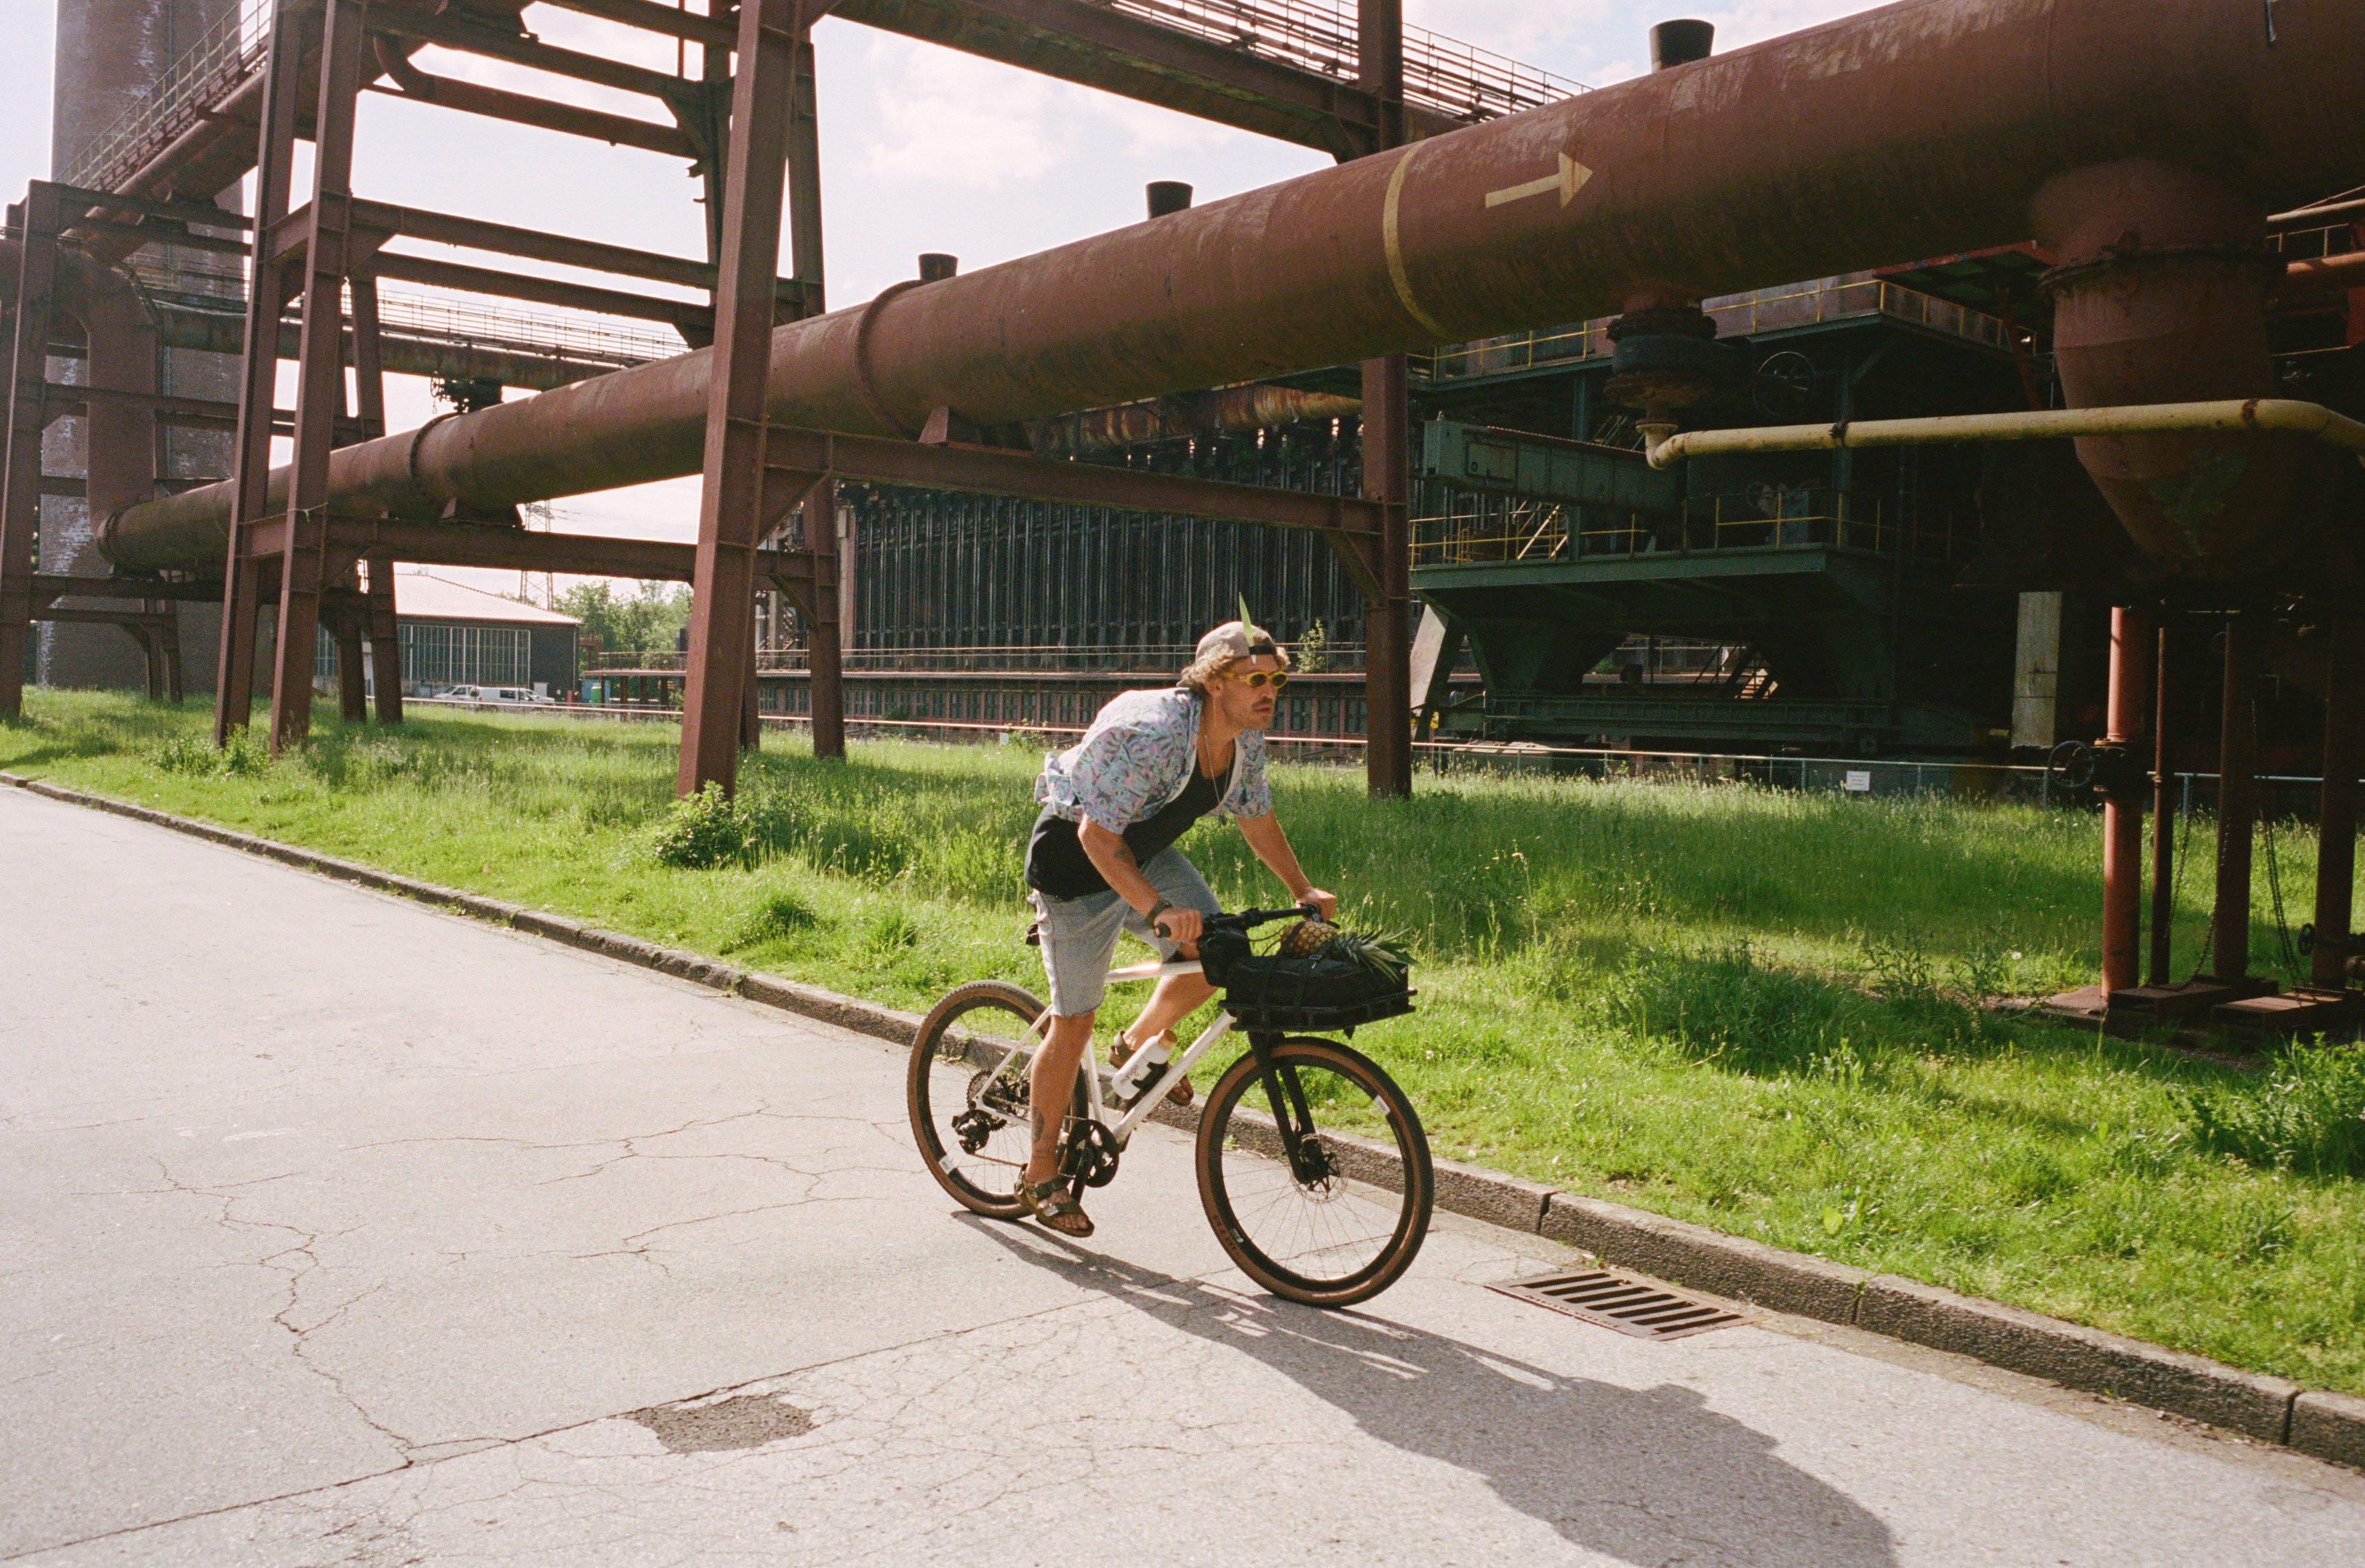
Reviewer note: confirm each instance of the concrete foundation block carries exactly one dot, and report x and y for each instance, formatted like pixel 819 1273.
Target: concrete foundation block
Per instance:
pixel 2077 1357
pixel 2329 1426
pixel 1706 1259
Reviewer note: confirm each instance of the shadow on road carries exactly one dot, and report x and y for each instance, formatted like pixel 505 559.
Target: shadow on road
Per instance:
pixel 1647 1476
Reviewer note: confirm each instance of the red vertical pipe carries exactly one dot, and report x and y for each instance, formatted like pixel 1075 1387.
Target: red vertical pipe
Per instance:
pixel 2335 845
pixel 319 375
pixel 258 372
pixel 2163 819
pixel 731 520
pixel 2237 802
pixel 2132 654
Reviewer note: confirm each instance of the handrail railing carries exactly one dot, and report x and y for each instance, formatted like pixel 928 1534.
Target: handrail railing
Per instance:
pixel 1845 297
pixel 205 73
pixel 1766 518
pixel 1458 80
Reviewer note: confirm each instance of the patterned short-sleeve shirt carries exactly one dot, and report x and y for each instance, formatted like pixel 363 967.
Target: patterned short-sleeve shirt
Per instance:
pixel 1137 755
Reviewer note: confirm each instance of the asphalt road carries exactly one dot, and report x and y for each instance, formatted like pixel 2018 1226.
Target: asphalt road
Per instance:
pixel 336 1230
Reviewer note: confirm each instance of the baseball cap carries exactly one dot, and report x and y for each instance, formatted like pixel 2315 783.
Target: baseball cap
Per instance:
pixel 1234 640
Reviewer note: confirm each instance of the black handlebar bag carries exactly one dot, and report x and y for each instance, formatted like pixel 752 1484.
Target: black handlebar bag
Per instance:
pixel 1326 991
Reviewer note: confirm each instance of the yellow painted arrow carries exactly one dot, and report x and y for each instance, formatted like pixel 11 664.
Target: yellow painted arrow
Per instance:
pixel 1568 181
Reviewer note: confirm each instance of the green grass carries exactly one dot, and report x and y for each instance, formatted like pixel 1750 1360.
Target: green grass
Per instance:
pixel 1736 1006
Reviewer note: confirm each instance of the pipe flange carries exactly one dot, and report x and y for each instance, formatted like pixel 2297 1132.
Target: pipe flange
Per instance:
pixel 862 381
pixel 410 454
pixel 2073 274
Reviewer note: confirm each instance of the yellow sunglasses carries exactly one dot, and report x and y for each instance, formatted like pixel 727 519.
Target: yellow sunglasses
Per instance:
pixel 1276 679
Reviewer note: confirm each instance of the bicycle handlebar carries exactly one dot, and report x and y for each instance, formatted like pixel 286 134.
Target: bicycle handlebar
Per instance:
pixel 1249 919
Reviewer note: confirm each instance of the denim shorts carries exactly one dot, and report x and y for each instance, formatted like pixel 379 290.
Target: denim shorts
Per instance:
pixel 1079 935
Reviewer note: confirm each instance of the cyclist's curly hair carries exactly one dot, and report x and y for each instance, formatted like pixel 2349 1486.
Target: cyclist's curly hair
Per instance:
pixel 1199 672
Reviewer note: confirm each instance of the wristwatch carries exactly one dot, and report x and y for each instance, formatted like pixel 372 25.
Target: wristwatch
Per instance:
pixel 1161 907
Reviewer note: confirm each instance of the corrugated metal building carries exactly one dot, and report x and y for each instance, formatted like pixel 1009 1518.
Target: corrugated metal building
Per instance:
pixel 454 634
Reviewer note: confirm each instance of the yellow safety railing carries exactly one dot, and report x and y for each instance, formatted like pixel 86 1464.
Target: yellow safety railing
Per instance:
pixel 1764 518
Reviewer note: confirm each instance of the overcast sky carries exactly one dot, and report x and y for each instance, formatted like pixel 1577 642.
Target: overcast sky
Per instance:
pixel 922 150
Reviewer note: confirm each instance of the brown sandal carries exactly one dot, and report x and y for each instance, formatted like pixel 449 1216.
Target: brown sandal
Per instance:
pixel 1053 1205
pixel 1121 1052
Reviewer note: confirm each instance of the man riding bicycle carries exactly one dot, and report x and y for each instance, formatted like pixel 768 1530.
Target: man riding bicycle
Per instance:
pixel 1102 859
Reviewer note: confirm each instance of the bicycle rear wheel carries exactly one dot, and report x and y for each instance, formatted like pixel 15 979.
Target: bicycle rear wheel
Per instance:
pixel 976 1133
pixel 1342 1220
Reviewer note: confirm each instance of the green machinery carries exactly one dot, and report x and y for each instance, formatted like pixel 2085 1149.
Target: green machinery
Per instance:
pixel 1797 601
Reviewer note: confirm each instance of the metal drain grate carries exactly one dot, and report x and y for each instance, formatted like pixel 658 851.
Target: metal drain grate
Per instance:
pixel 1627 1306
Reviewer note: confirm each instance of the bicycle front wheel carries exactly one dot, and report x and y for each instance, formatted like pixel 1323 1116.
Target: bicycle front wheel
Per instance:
pixel 1315 1171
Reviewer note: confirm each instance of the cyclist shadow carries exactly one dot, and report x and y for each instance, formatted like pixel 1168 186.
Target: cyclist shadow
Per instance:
pixel 1644 1475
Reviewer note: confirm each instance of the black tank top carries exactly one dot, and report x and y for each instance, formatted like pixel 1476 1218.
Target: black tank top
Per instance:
pixel 1056 861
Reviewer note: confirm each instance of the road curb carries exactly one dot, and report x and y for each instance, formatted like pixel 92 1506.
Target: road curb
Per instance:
pixel 2319 1423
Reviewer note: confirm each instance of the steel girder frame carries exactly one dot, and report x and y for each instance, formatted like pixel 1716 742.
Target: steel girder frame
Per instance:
pixel 20 481
pixel 732 516
pixel 321 255
pixel 242 576
pixel 1382 567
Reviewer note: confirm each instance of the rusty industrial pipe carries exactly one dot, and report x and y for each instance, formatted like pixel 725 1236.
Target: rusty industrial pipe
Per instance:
pixel 1912 130
pixel 1229 411
pixel 120 337
pixel 2160 296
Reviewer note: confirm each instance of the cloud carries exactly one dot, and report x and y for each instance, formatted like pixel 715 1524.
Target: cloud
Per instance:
pixel 948 117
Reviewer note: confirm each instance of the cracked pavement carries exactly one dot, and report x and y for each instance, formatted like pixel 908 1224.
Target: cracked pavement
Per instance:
pixel 337 1230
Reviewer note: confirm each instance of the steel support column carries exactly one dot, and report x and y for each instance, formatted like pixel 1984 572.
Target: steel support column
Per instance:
pixel 20 479
pixel 2163 814
pixel 751 711
pixel 321 372
pixel 2237 800
pixel 2335 848
pixel 731 503
pixel 259 371
pixel 2133 653
pixel 369 403
pixel 353 693
pixel 823 611
pixel 1387 462
pixel 1387 598
pixel 385 643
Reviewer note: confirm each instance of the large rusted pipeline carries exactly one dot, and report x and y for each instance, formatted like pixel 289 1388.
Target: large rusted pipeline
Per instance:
pixel 121 344
pixel 1912 130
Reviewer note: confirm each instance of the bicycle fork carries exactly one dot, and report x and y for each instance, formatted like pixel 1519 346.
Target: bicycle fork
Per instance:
pixel 1290 1117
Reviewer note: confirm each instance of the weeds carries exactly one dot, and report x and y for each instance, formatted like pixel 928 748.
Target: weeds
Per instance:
pixel 702 830
pixel 781 917
pixel 245 755
pixel 2305 1115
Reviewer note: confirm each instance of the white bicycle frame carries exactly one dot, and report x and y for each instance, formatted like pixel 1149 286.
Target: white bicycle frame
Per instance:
pixel 1176 1066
